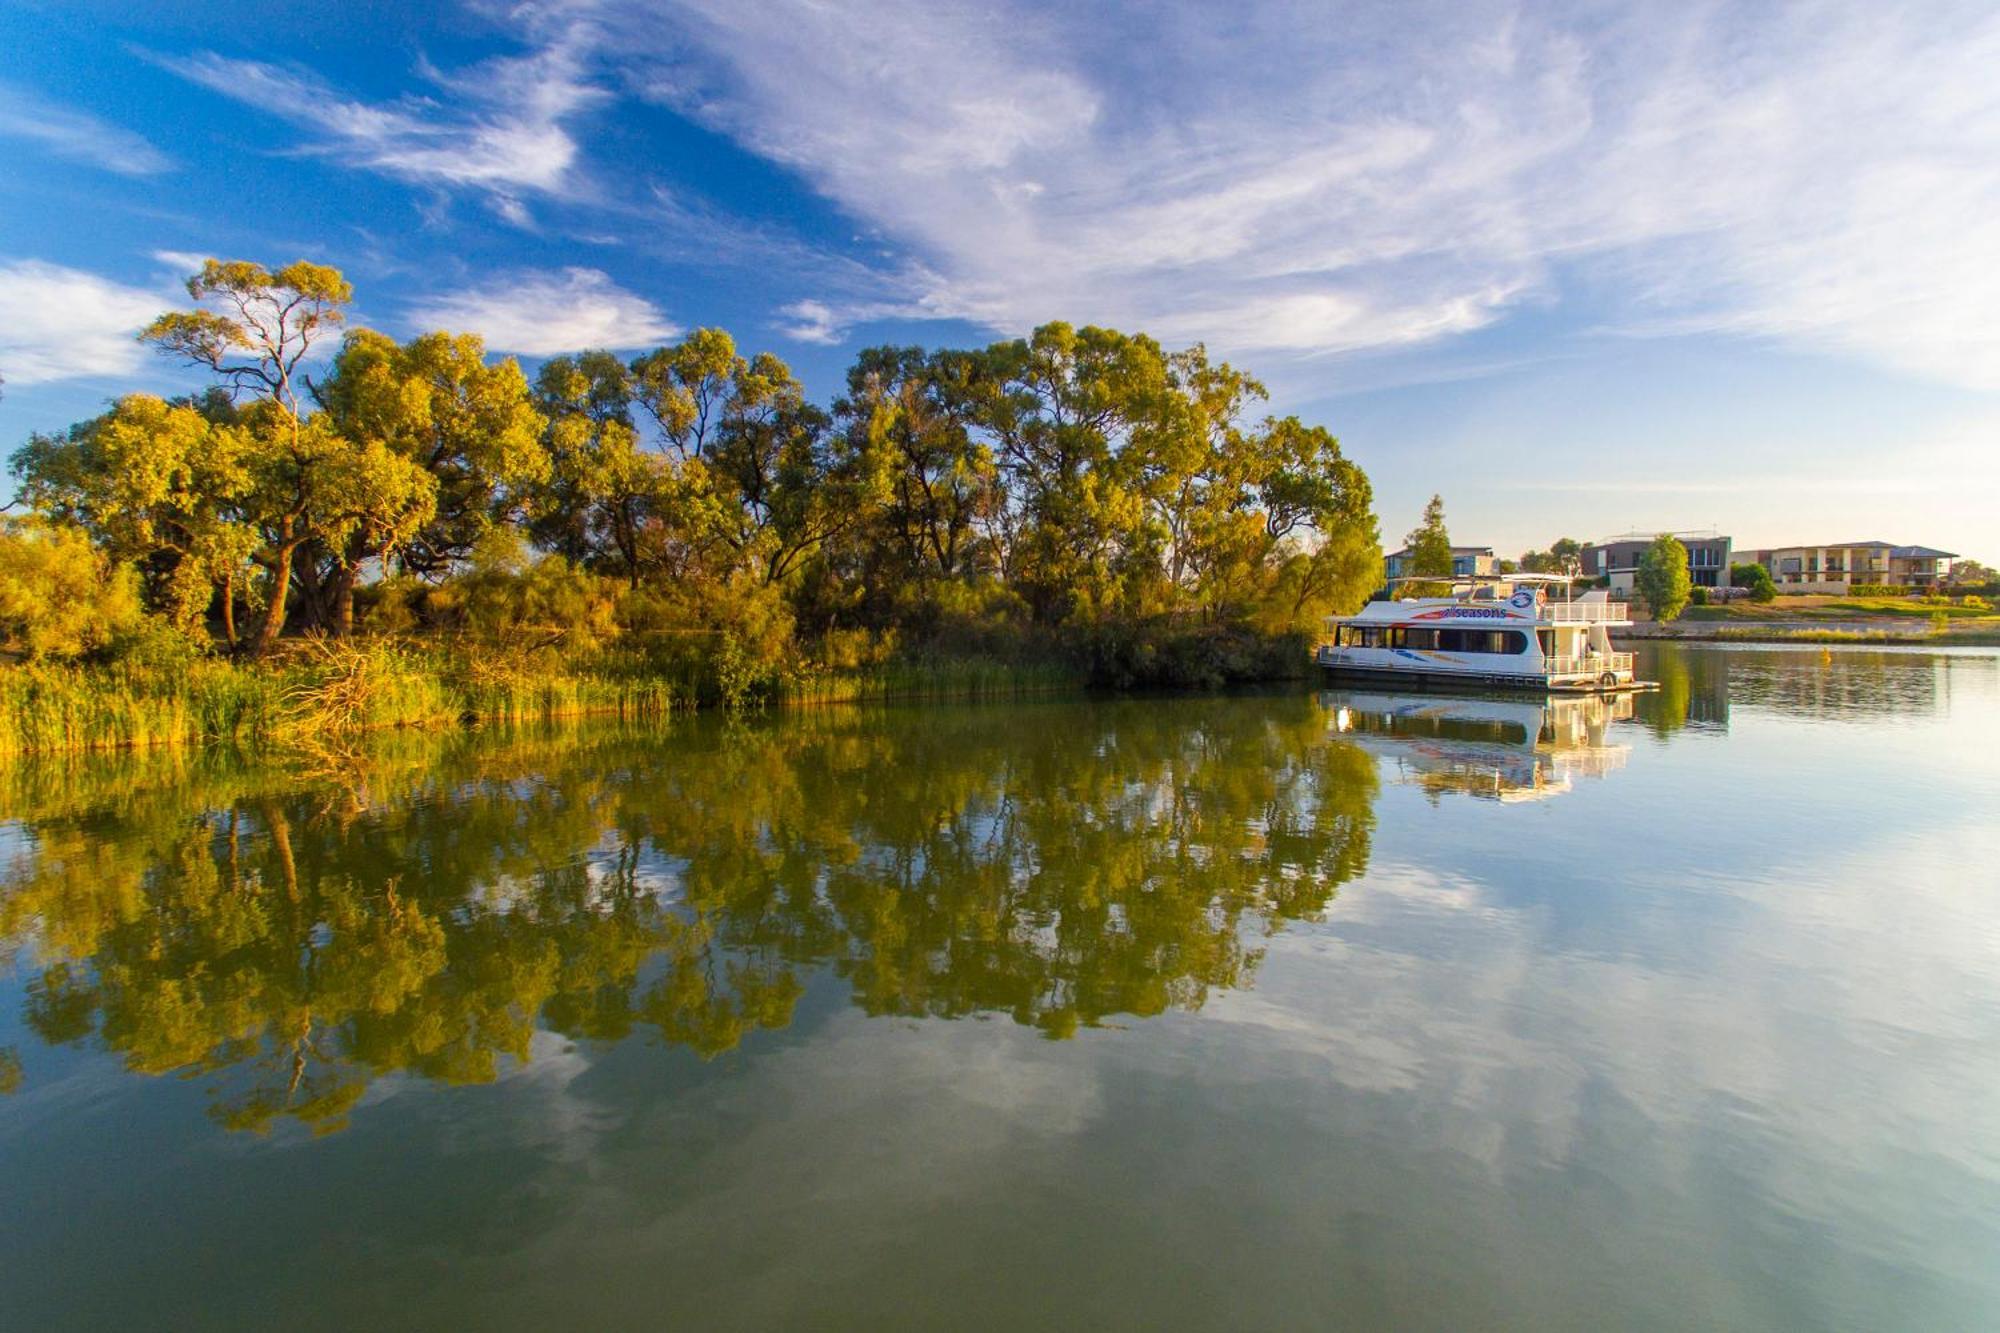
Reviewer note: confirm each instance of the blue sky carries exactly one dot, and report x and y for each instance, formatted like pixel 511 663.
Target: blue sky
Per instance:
pixel 1583 268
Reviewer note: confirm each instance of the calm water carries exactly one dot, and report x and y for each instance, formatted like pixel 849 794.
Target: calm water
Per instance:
pixel 1307 1009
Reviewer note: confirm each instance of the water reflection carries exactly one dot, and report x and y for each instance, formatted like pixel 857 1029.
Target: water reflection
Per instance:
pixel 294 935
pixel 1516 748
pixel 1699 686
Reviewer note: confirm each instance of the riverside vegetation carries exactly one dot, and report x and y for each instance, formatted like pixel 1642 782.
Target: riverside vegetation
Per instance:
pixel 344 530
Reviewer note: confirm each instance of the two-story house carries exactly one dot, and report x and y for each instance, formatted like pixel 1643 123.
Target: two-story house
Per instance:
pixel 1838 566
pixel 1616 559
pixel 1466 561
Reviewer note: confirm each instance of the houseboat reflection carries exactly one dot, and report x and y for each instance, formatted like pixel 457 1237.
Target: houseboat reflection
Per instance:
pixel 1494 749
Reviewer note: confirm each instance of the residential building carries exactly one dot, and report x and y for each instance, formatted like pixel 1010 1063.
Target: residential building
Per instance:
pixel 1616 559
pixel 1837 567
pixel 1465 562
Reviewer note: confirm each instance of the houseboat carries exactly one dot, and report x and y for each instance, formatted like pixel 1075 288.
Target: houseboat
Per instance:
pixel 1522 631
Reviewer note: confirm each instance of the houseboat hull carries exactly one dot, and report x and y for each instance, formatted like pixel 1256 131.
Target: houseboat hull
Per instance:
pixel 1462 678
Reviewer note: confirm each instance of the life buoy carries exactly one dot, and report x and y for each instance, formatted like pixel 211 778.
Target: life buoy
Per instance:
pixel 1608 680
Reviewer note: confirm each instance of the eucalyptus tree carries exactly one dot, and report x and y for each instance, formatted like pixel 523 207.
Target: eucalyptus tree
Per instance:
pixel 254 329
pixel 436 403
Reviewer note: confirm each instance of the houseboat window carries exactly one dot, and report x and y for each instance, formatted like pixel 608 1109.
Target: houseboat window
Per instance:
pixel 1482 641
pixel 1548 641
pixel 1424 639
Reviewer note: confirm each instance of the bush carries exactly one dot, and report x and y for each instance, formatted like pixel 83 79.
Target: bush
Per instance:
pixel 1698 597
pixel 59 597
pixel 1879 590
pixel 1755 580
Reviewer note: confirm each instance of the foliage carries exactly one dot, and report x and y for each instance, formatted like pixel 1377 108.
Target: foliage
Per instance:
pixel 688 518
pixel 1755 579
pixel 1561 557
pixel 1663 578
pixel 1429 545
pixel 1698 597
pixel 1972 573
pixel 60 597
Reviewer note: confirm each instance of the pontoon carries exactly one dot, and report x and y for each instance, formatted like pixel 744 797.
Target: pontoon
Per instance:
pixel 1518 630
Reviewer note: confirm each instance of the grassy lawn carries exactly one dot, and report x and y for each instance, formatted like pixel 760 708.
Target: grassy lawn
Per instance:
pixel 1837 608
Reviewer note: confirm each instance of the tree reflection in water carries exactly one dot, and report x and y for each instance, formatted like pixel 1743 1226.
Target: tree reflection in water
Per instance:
pixel 294 935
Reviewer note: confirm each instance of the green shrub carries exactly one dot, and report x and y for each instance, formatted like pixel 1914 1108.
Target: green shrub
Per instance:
pixel 60 598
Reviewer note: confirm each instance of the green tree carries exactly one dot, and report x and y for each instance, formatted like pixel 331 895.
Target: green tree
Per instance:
pixel 1064 407
pixel 1429 545
pixel 160 486
pixel 1663 577
pixel 1756 579
pixel 438 405
pixel 603 487
pixel 253 329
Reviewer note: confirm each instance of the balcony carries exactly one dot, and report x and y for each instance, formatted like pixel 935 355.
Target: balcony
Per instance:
pixel 1586 613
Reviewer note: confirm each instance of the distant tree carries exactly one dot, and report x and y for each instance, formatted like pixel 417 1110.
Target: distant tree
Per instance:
pixel 1511 567
pixel 1755 579
pixel 1565 548
pixel 1663 577
pixel 1429 545
pixel 1972 573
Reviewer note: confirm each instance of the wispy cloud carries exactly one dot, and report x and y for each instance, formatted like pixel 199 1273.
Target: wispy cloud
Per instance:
pixel 500 126
pixel 63 323
pixel 1293 176
pixel 77 135
pixel 544 314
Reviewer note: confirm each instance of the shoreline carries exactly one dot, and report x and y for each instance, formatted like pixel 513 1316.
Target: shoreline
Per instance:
pixel 1805 631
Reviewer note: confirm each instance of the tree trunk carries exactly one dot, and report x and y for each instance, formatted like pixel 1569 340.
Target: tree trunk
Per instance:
pixel 274 614
pixel 229 609
pixel 343 600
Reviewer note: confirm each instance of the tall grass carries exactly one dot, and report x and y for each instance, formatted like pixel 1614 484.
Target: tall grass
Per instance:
pixel 314 691
pixel 319 691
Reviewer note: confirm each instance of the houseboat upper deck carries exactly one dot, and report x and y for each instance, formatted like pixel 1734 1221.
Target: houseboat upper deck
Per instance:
pixel 1521 630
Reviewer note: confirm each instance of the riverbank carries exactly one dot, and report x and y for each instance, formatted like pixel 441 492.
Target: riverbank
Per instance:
pixel 1808 631
pixel 315 689
pixel 1828 619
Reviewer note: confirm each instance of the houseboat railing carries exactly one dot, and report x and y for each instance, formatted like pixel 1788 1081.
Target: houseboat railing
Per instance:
pixel 1586 613
pixel 1590 664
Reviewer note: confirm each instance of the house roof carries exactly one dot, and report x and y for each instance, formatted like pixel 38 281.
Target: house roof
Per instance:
pixel 1456 550
pixel 1922 553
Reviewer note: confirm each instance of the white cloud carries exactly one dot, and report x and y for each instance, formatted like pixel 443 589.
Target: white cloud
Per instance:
pixel 1296 176
pixel 811 322
pixel 544 314
pixel 63 323
pixel 77 135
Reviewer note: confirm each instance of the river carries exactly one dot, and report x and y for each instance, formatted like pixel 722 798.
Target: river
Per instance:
pixel 1301 1008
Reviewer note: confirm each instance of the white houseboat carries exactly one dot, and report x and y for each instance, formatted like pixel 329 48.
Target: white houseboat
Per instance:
pixel 1520 630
